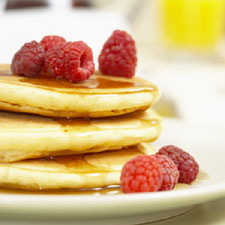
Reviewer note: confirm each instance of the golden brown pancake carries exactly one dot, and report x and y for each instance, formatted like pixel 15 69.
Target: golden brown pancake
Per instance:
pixel 75 171
pixel 24 136
pixel 99 96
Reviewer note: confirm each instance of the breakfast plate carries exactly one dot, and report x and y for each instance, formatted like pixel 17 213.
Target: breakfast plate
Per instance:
pixel 205 143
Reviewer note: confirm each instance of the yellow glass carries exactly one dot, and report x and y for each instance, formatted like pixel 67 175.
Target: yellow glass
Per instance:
pixel 192 23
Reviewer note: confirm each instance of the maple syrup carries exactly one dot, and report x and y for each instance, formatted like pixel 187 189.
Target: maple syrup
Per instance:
pixel 129 118
pixel 108 190
pixel 73 122
pixel 94 83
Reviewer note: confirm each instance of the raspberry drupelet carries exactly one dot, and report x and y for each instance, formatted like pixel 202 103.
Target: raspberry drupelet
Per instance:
pixel 118 56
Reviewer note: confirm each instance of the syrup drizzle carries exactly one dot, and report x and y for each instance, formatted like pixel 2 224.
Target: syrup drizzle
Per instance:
pixel 96 81
pixel 71 122
pixel 109 190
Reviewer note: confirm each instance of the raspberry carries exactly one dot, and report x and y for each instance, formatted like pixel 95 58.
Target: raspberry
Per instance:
pixel 170 172
pixel 141 174
pixel 49 41
pixel 28 60
pixel 72 61
pixel 118 56
pixel 185 163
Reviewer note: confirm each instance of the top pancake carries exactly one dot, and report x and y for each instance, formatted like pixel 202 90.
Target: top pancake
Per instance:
pixel 99 96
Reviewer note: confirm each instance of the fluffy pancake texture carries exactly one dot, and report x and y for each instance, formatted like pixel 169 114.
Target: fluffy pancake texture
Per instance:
pixel 99 96
pixel 88 170
pixel 24 136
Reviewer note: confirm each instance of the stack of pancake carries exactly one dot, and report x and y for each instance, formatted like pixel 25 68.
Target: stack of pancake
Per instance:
pixel 55 134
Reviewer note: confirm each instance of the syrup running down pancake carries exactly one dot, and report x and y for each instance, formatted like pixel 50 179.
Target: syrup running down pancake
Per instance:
pixel 24 136
pixel 99 96
pixel 88 170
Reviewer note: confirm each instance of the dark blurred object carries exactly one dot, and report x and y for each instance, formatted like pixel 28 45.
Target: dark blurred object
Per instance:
pixel 21 4
pixel 81 3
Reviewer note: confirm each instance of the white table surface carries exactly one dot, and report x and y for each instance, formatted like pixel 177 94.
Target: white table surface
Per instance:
pixel 197 90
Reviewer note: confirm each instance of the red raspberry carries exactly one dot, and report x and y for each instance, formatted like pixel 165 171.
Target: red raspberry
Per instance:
pixel 141 174
pixel 118 56
pixel 28 60
pixel 186 164
pixel 49 41
pixel 170 172
pixel 72 61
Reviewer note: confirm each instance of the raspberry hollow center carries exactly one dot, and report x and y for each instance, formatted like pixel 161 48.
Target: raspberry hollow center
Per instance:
pixel 83 60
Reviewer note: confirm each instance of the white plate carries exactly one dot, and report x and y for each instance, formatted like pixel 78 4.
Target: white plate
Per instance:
pixel 206 144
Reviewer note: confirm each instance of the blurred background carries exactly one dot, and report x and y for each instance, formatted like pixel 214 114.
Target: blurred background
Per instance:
pixel 181 43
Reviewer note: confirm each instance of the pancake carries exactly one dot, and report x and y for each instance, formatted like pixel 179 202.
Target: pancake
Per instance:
pixel 24 136
pixel 99 96
pixel 76 171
